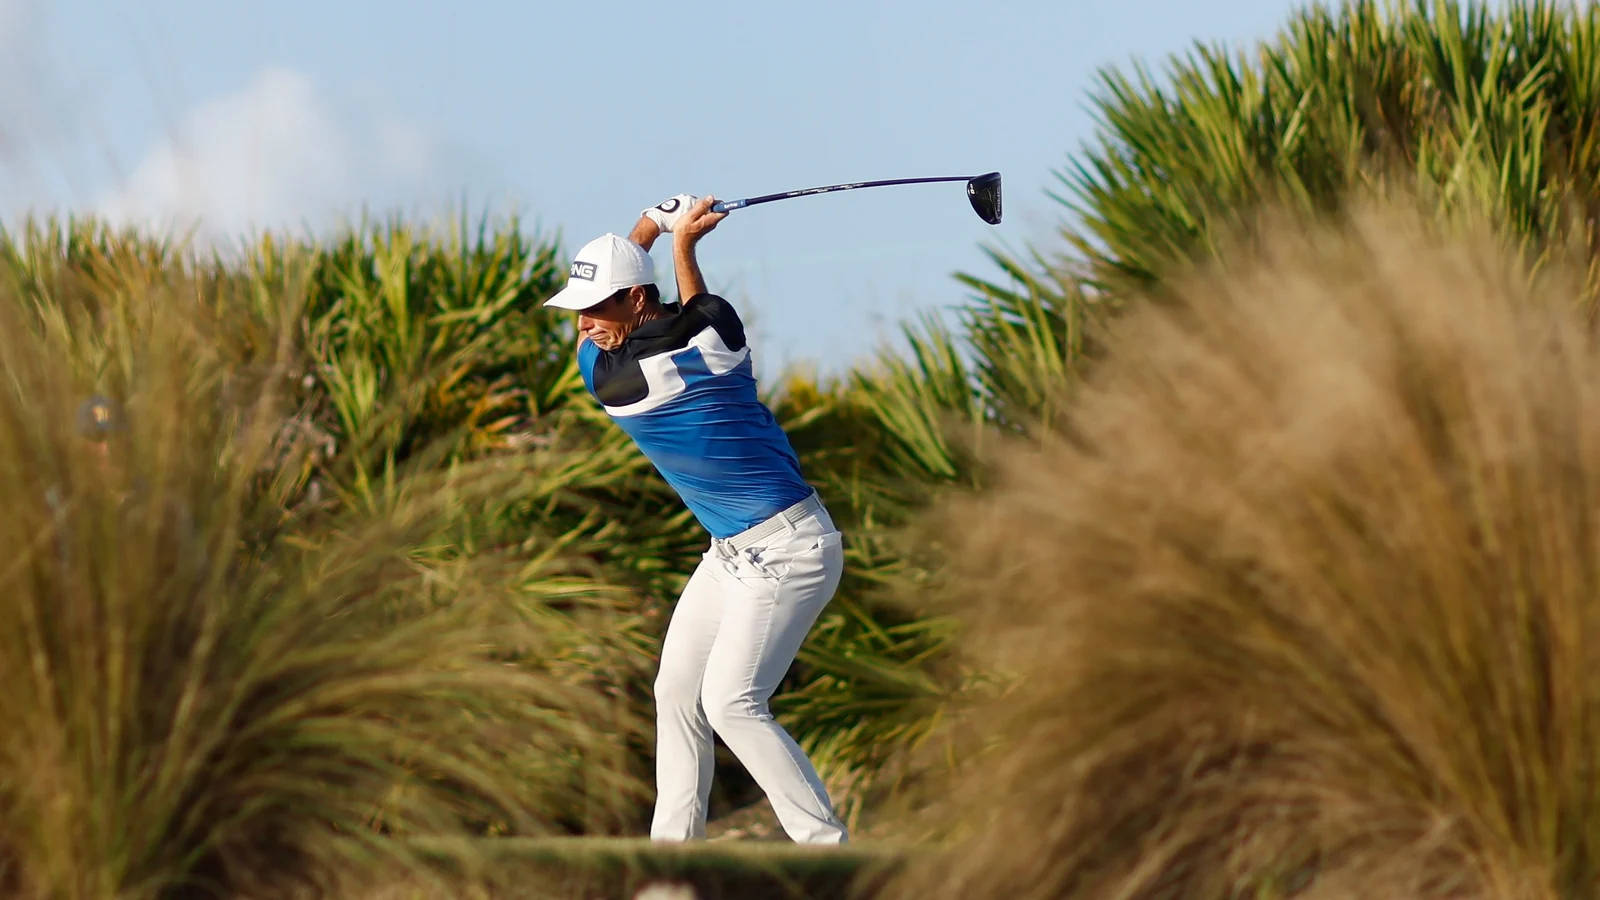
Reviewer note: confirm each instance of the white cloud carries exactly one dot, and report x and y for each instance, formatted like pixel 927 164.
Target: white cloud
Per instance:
pixel 278 153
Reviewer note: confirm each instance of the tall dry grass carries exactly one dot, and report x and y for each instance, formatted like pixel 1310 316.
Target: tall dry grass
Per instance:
pixel 208 691
pixel 1303 599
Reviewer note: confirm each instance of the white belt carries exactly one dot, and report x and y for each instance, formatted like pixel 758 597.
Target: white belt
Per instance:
pixel 783 521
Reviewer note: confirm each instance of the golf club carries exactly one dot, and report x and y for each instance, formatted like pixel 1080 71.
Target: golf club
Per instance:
pixel 982 190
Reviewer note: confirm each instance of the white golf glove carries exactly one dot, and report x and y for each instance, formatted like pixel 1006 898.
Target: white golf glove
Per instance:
pixel 667 213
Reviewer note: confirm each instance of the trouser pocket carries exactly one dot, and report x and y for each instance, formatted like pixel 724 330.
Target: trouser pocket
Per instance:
pixel 790 555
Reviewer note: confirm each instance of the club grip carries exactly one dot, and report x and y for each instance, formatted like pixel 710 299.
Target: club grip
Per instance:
pixel 729 206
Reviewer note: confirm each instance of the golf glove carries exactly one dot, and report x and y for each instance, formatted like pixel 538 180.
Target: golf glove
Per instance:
pixel 667 213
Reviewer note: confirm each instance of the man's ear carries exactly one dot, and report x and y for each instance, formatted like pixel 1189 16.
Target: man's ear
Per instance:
pixel 638 298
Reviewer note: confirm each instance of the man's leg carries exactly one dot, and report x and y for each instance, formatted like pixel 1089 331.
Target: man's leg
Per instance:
pixel 684 759
pixel 766 613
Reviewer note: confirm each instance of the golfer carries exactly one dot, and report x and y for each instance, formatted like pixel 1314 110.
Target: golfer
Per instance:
pixel 678 380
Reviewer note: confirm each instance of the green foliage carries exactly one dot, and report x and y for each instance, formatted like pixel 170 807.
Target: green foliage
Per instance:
pixel 1483 108
pixel 1463 108
pixel 386 436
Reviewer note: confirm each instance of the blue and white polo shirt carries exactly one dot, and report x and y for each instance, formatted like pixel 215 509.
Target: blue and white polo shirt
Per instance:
pixel 683 388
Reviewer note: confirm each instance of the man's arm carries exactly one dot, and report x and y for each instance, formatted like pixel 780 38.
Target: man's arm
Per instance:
pixel 645 233
pixel 694 225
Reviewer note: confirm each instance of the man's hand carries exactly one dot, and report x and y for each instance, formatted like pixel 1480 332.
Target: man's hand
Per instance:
pixel 668 212
pixel 697 221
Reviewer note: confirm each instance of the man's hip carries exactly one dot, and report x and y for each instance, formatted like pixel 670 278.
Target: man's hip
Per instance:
pixel 800 540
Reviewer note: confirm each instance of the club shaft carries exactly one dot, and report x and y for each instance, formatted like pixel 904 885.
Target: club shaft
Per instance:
pixel 848 186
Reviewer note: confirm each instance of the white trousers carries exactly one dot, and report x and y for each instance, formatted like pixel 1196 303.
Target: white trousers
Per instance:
pixel 735 631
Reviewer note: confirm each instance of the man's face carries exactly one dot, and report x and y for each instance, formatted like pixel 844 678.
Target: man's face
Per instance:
pixel 609 322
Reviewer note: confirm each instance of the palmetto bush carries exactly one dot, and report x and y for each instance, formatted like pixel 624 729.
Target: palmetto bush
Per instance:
pixel 437 340
pixel 398 358
pixel 1464 108
pixel 1487 106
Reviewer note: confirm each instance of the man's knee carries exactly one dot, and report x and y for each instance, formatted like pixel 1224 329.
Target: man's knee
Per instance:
pixel 677 692
pixel 725 708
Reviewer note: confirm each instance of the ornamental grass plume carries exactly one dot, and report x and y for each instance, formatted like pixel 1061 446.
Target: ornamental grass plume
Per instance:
pixel 207 693
pixel 1302 599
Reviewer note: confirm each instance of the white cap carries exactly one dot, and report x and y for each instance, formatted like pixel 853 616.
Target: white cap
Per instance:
pixel 604 266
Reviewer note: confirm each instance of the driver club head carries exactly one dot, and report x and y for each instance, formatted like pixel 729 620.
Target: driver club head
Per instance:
pixel 984 193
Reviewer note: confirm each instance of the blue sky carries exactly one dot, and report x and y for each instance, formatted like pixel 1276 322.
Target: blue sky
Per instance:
pixel 297 114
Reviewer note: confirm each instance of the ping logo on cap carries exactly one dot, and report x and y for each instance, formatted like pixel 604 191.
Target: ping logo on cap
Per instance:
pixel 584 270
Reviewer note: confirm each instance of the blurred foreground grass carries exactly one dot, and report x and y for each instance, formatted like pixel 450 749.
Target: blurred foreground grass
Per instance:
pixel 1301 599
pixel 217 685
pixel 540 868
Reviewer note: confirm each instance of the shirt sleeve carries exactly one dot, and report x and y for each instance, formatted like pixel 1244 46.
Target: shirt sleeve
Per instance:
pixel 587 354
pixel 719 314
